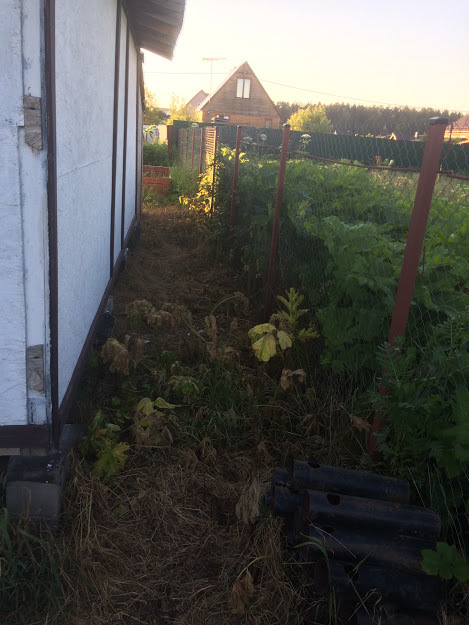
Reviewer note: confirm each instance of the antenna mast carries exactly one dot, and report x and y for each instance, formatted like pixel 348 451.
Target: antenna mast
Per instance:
pixel 212 59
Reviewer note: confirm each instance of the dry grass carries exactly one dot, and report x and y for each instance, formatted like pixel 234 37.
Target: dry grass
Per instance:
pixel 178 536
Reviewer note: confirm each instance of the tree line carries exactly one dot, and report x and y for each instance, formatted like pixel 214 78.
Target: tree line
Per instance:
pixel 362 120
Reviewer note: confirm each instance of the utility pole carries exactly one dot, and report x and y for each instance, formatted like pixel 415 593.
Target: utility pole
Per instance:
pixel 212 59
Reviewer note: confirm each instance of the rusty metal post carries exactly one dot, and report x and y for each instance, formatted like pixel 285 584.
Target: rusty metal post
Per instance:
pixel 201 152
pixel 215 145
pixel 193 146
pixel 235 179
pixel 276 222
pixel 413 249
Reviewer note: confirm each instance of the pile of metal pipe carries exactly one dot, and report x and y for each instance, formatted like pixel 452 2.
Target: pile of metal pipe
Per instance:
pixel 358 536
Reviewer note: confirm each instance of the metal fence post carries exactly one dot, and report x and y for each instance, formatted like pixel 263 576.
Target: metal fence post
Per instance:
pixel 193 146
pixel 201 153
pixel 413 249
pixel 215 145
pixel 235 179
pixel 181 144
pixel 276 222
pixel 187 144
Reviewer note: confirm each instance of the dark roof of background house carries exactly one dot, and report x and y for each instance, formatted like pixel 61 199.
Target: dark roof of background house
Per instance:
pixel 462 123
pixel 156 24
pixel 196 100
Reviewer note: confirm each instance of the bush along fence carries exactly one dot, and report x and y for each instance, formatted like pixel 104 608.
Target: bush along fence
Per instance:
pixel 381 254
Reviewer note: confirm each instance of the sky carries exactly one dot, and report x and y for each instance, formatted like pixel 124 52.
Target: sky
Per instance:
pixel 404 52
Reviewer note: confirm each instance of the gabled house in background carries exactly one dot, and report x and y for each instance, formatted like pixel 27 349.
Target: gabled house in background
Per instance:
pixel 69 201
pixel 458 131
pixel 196 101
pixel 241 100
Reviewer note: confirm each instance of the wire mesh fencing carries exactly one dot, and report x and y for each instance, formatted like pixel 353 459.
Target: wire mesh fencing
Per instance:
pixel 345 241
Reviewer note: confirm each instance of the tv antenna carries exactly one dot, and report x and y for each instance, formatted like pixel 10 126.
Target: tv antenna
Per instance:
pixel 212 59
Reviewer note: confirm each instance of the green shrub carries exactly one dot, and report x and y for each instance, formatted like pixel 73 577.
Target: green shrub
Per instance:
pixel 155 154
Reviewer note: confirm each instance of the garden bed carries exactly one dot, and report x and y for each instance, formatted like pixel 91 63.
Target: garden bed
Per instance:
pixel 156 179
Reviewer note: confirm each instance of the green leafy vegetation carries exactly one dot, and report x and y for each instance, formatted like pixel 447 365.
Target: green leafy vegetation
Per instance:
pixel 30 573
pixel 446 562
pixel 343 234
pixel 155 154
pixel 311 119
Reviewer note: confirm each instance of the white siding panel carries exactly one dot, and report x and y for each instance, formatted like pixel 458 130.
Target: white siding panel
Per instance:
pixel 85 44
pixel 12 305
pixel 131 139
pixel 120 140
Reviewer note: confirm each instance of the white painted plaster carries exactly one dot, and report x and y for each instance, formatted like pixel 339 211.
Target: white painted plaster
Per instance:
pixel 120 140
pixel 85 44
pixel 33 165
pixel 13 400
pixel 131 139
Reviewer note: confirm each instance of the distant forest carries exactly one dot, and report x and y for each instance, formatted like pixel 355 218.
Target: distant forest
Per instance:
pixel 374 120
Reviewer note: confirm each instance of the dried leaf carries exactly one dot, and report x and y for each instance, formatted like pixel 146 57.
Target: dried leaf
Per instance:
pixel 191 461
pixel 242 591
pixel 211 325
pixel 230 355
pixel 116 355
pixel 206 450
pixel 165 317
pixel 234 324
pixel 212 350
pixel 135 347
pixel 360 424
pixel 247 508
pixel 200 413
pixel 179 312
pixel 264 453
pixel 242 298
pixel 144 309
pixel 151 430
pixel 301 375
pixel 285 379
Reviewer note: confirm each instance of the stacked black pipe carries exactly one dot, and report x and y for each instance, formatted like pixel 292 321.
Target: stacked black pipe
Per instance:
pixel 372 537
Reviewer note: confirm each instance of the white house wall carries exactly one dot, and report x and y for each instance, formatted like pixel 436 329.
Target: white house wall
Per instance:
pixel 131 139
pixel 12 304
pixel 85 43
pixel 120 139
pixel 34 204
pixel 85 37
pixel 23 222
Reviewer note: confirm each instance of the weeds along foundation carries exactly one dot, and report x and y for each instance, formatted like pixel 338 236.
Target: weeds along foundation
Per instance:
pixel 163 519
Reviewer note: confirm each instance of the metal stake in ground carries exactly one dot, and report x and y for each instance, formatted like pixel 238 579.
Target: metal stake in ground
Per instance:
pixel 276 223
pixel 413 249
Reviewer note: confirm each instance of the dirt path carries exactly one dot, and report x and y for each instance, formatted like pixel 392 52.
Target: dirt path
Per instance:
pixel 178 536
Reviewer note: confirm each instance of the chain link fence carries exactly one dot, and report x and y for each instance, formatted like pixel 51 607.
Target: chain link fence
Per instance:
pixel 346 209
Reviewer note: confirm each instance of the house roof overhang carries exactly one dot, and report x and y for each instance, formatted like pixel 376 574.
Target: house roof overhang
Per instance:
pixel 156 24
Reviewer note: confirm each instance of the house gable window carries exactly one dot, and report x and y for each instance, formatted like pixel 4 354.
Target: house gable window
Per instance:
pixel 244 88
